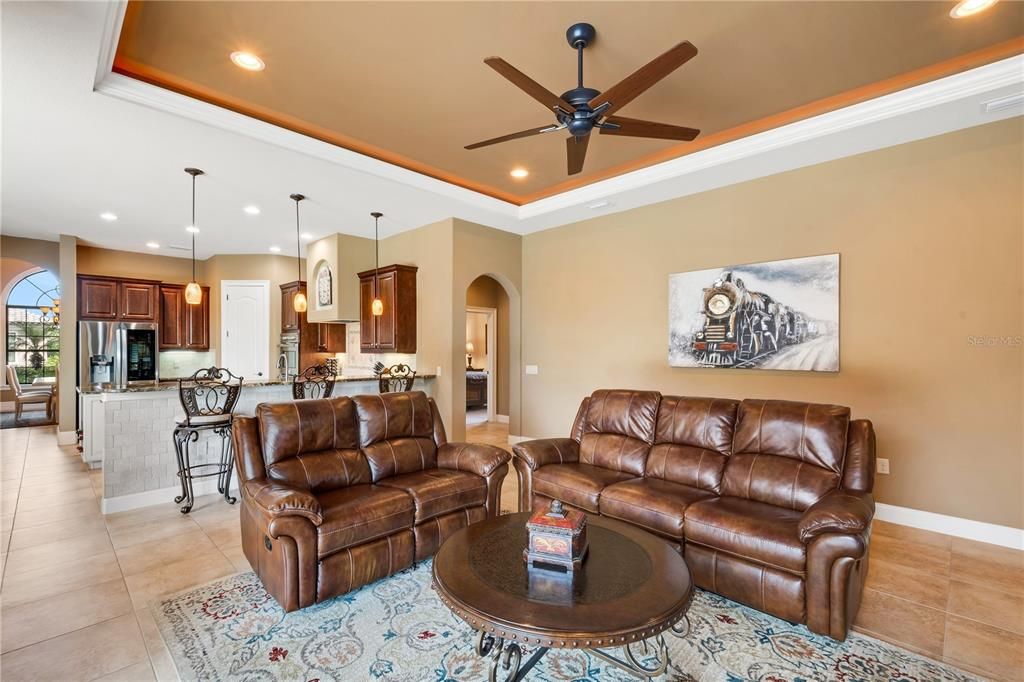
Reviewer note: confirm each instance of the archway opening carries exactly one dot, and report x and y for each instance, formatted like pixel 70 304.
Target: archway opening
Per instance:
pixel 488 366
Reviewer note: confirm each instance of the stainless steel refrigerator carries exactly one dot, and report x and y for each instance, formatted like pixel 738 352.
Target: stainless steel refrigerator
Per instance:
pixel 116 355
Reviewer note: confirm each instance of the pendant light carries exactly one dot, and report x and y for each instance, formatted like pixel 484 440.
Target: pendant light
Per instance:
pixel 377 307
pixel 299 302
pixel 193 292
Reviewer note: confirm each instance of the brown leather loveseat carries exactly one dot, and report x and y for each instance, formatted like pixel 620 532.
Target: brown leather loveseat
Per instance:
pixel 770 501
pixel 339 492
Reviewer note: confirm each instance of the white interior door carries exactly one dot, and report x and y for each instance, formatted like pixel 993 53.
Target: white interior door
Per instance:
pixel 245 328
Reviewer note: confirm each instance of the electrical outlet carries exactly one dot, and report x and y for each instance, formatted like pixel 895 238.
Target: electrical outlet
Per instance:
pixel 883 466
pixel 438 372
pixel 532 369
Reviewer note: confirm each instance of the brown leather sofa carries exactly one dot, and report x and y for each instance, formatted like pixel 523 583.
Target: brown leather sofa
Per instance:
pixel 770 501
pixel 339 492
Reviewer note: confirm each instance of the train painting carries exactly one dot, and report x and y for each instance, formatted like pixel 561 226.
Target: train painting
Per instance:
pixel 776 315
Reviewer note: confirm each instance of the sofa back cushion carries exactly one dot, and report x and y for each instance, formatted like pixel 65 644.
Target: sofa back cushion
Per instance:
pixel 312 444
pixel 396 433
pixel 618 429
pixel 692 441
pixel 786 453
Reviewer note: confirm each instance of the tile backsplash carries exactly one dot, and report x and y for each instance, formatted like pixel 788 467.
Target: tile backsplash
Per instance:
pixel 355 363
pixel 177 364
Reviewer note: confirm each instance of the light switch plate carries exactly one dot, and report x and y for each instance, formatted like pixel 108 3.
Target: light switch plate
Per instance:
pixel 883 466
pixel 532 369
pixel 438 372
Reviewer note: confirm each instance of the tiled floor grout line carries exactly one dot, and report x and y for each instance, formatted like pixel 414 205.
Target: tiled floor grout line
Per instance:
pixel 17 500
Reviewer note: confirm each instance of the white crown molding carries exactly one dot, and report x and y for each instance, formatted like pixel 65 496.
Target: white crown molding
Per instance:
pixel 914 113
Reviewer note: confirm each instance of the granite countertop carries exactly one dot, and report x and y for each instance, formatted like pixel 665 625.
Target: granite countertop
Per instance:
pixel 172 385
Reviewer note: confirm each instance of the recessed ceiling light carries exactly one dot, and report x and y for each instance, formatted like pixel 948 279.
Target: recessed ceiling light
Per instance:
pixel 966 8
pixel 306 235
pixel 108 216
pixel 247 61
pixel 252 210
pixel 153 245
pixel 275 249
pixel 519 173
pixel 192 228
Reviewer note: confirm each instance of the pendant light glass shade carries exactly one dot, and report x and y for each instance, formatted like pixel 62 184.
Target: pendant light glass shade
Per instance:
pixel 193 292
pixel 377 307
pixel 299 300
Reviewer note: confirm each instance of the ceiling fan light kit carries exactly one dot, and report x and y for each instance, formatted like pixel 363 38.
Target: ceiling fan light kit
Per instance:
pixel 582 109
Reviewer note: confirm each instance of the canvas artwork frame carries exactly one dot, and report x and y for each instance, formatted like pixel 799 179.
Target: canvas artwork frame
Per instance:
pixel 324 286
pixel 774 315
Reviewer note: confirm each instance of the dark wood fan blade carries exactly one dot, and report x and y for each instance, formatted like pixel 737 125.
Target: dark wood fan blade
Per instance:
pixel 634 127
pixel 576 152
pixel 626 90
pixel 511 136
pixel 528 85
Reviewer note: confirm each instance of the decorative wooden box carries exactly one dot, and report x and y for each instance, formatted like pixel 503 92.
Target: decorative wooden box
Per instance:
pixel 557 538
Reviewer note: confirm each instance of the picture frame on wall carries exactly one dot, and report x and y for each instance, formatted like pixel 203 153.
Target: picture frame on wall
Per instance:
pixel 776 315
pixel 324 286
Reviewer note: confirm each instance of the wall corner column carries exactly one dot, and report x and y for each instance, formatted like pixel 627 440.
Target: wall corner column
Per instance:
pixel 68 397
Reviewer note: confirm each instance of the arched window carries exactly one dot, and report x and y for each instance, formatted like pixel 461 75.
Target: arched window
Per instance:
pixel 33 337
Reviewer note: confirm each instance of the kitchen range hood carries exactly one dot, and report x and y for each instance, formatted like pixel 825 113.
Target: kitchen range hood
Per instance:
pixel 332 288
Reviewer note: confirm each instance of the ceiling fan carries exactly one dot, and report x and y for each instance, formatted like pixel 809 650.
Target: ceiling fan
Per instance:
pixel 582 109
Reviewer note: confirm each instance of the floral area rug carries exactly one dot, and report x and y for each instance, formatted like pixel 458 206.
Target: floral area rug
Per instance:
pixel 398 630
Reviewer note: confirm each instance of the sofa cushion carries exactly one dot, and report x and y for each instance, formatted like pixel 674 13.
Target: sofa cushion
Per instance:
pixel 786 453
pixel 618 429
pixel 361 513
pixel 651 503
pixel 396 433
pixel 577 484
pixel 692 440
pixel 755 531
pixel 311 444
pixel 440 491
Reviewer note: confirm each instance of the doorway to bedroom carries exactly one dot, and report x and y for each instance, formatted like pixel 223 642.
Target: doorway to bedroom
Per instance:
pixel 487 309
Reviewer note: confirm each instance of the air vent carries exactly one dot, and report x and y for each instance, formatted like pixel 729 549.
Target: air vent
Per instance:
pixel 1003 103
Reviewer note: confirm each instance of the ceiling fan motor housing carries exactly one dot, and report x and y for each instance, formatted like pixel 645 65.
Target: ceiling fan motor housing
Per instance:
pixel 581 121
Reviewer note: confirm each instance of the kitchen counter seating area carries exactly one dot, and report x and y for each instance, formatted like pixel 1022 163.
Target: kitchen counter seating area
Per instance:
pixel 128 433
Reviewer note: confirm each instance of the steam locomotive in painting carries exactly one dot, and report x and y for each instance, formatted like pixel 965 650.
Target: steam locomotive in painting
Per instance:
pixel 743 327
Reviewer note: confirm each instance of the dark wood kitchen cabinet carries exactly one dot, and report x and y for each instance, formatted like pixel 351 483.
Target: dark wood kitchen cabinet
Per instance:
pixel 138 300
pixel 395 330
pixel 183 326
pixel 290 320
pixel 97 298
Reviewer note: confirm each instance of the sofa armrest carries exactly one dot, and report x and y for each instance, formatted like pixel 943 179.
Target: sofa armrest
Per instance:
pixel 475 458
pixel 277 500
pixel 537 453
pixel 840 511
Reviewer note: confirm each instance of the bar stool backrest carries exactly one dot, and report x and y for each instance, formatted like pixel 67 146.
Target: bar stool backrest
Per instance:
pixel 209 395
pixel 396 378
pixel 315 382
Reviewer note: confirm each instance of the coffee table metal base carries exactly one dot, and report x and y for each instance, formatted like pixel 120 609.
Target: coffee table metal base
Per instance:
pixel 507 657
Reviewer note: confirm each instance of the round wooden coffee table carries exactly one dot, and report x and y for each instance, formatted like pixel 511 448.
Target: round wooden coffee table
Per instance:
pixel 632 587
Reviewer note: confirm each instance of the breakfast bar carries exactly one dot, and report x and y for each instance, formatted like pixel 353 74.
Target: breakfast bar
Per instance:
pixel 128 433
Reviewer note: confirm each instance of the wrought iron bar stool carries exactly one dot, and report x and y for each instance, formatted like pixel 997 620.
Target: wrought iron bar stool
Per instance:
pixel 396 378
pixel 208 397
pixel 315 382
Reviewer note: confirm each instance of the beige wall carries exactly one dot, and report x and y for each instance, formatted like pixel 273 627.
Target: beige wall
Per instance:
pixel 480 250
pixel 93 260
pixel 429 248
pixel 67 398
pixel 277 269
pixel 19 257
pixel 931 254
pixel 346 256
pixel 485 292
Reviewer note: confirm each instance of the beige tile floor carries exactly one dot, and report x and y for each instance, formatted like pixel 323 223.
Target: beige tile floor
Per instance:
pixel 76 584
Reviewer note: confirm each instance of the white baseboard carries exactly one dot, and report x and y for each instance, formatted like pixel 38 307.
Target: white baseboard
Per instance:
pixel 67 437
pixel 951 525
pixel 501 418
pixel 150 498
pixel 512 440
